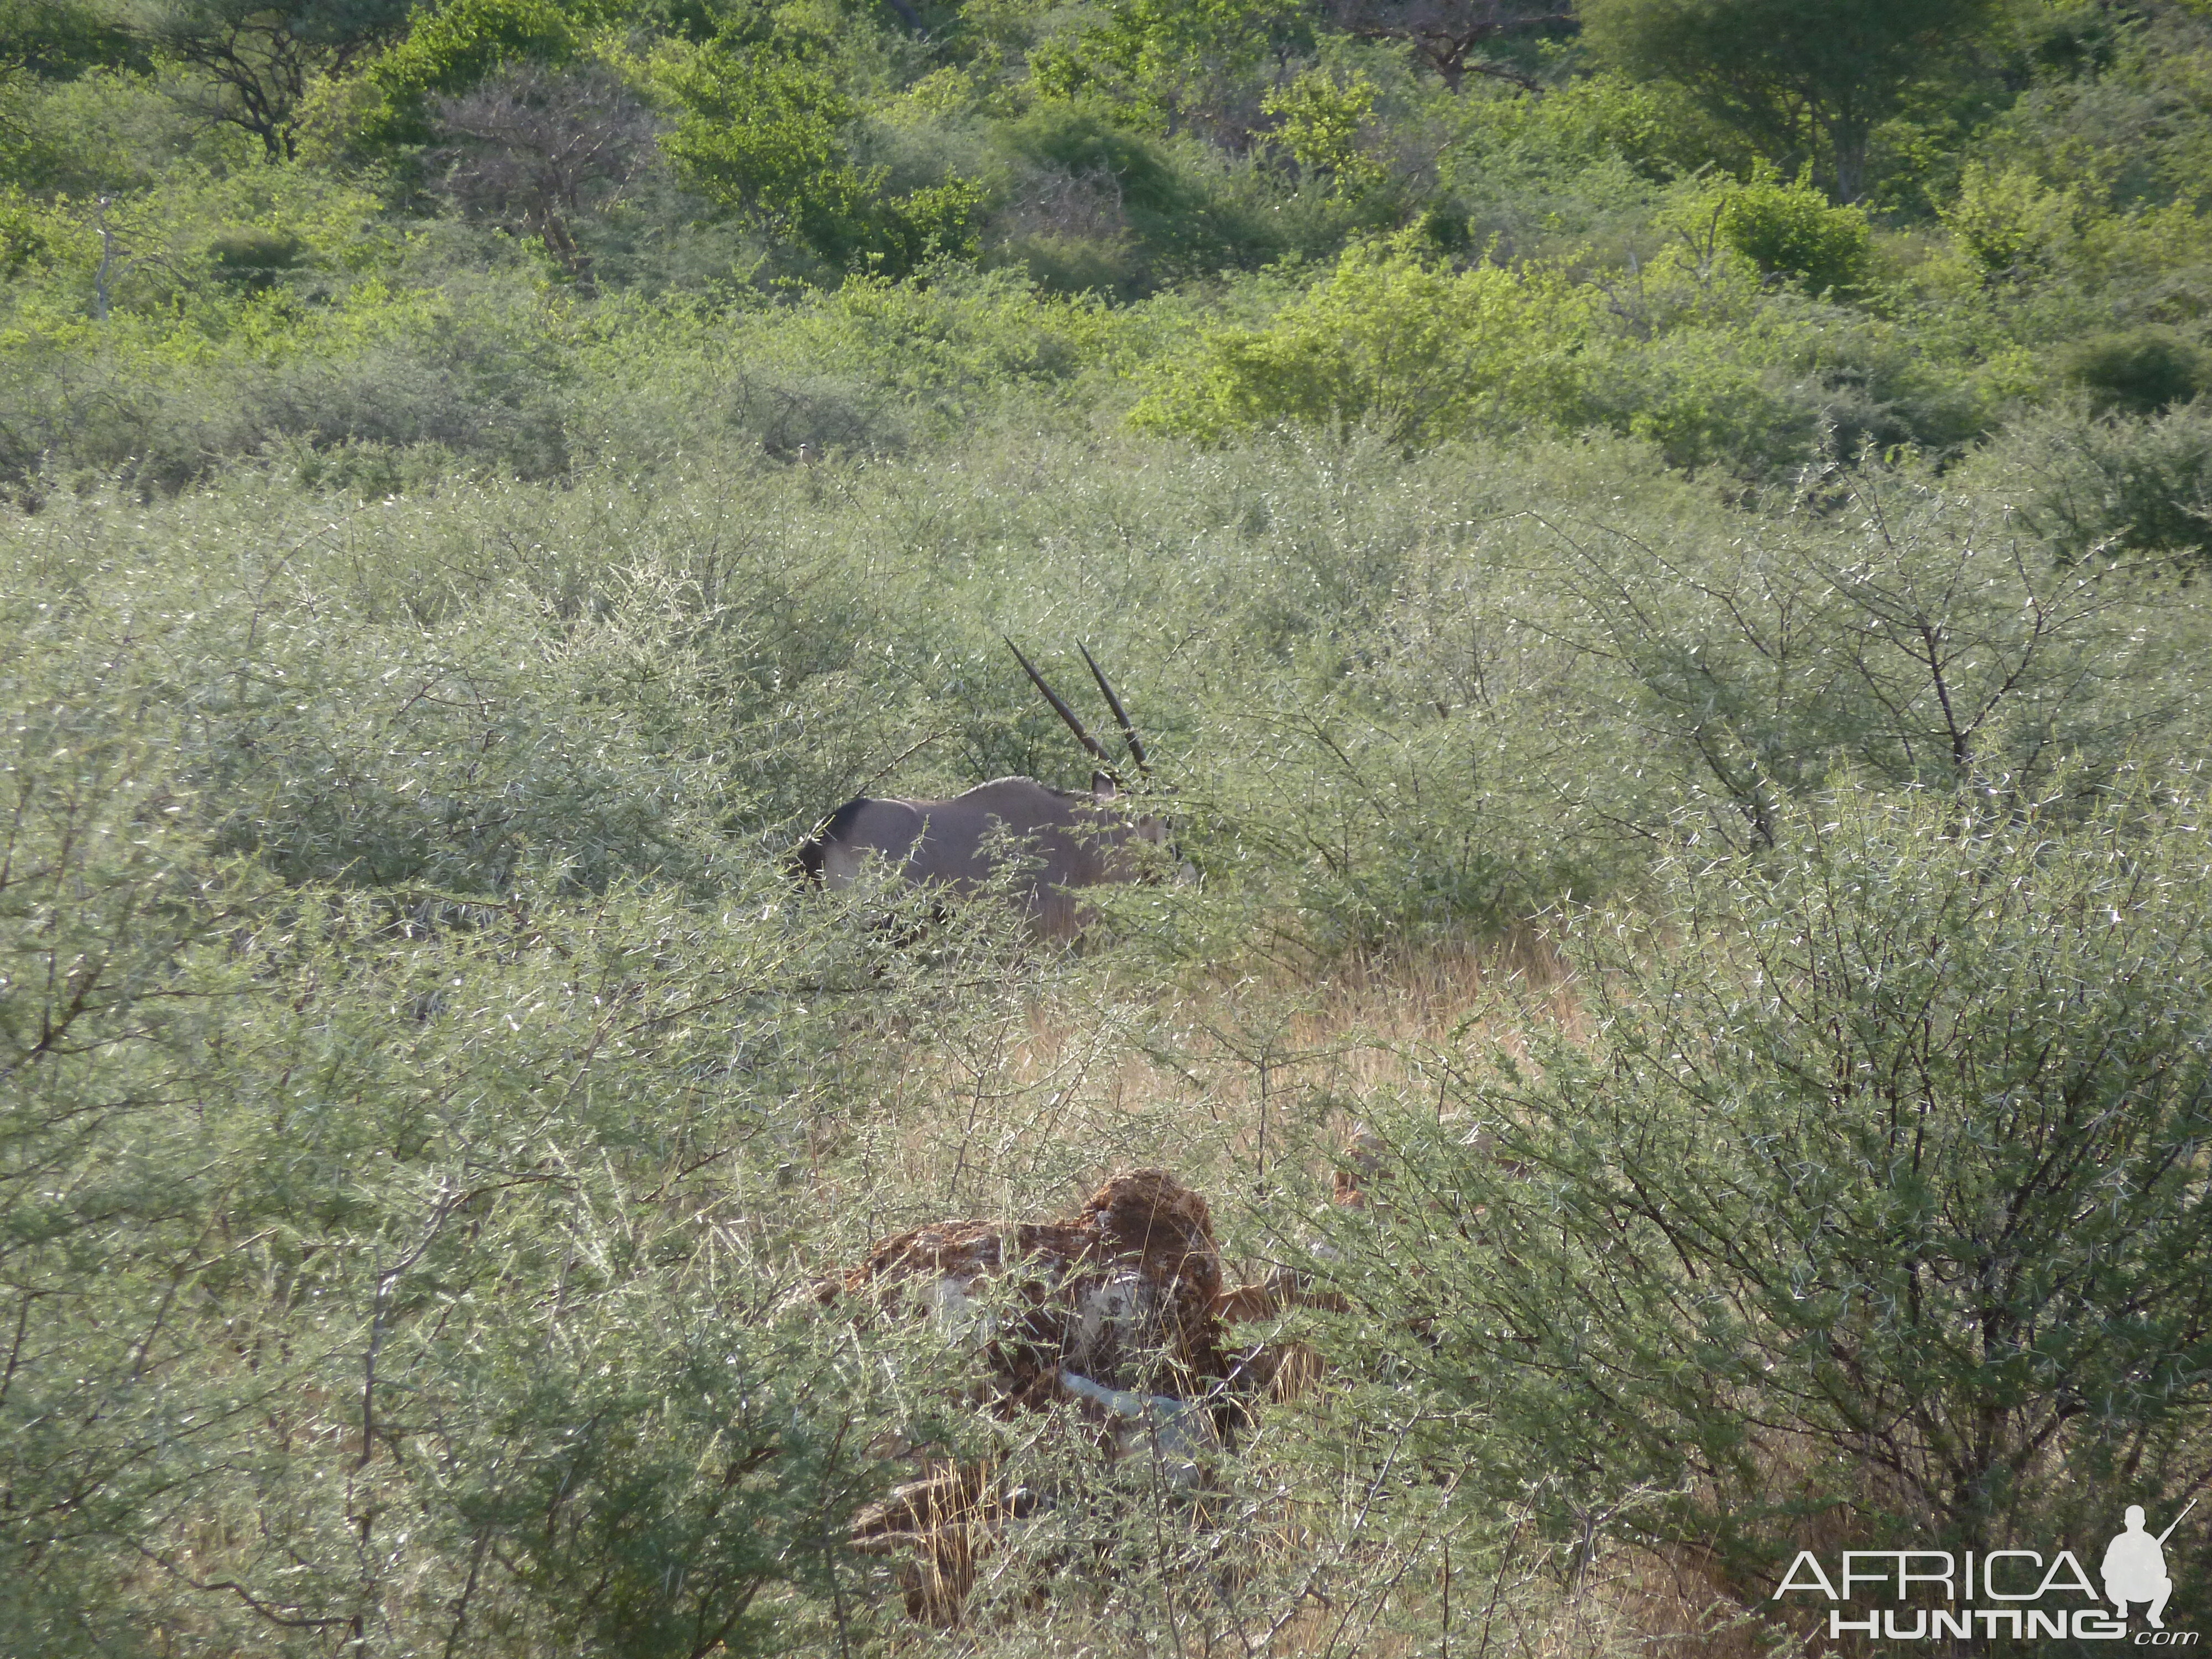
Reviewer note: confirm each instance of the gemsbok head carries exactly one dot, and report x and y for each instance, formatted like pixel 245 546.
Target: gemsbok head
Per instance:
pixel 1064 840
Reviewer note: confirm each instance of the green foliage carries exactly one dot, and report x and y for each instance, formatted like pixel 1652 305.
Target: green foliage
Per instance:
pixel 1320 122
pixel 643 1489
pixel 1911 638
pixel 1078 190
pixel 1573 173
pixel 1870 1206
pixel 444 569
pixel 1790 230
pixel 109 131
pixel 484 1155
pixel 2097 117
pixel 760 126
pixel 454 44
pixel 22 234
pixel 2008 226
pixel 2140 372
pixel 456 1092
pixel 612 1460
pixel 1173 61
pixel 257 61
pixel 1080 138
pixel 1689 351
pixel 58 39
pixel 1593 117
pixel 1392 337
pixel 761 130
pixel 1805 82
pixel 2131 484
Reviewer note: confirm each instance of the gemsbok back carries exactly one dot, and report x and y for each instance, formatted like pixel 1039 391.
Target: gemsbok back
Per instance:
pixel 1065 840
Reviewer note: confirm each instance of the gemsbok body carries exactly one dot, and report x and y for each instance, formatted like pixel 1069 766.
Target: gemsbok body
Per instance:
pixel 1060 841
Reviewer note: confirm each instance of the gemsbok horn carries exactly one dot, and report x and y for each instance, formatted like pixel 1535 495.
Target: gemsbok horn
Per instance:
pixel 1072 838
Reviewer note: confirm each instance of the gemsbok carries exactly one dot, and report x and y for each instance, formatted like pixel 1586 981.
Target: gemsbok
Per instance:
pixel 1065 840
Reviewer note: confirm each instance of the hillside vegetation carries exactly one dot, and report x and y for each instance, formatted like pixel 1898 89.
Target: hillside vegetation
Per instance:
pixel 1660 549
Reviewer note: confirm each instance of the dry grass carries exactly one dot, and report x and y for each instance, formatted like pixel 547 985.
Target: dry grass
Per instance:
pixel 1241 1081
pixel 1246 1086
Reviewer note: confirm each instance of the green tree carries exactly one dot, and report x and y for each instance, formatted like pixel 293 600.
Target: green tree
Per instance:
pixel 760 128
pixel 1186 62
pixel 1804 80
pixel 453 47
pixel 1786 229
pixel 2008 226
pixel 56 41
pixel 1320 122
pixel 256 60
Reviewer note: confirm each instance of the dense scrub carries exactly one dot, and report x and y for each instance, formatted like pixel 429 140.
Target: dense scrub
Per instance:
pixel 1664 580
pixel 411 1028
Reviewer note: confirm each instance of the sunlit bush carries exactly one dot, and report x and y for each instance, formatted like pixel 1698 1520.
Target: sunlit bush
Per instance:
pixel 1392 337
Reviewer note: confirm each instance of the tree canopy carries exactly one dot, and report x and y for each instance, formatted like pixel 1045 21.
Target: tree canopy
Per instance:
pixel 1805 80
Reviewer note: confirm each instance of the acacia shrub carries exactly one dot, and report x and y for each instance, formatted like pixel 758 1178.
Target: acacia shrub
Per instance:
pixel 404 1257
pixel 2141 371
pixel 1688 349
pixel 2125 484
pixel 403 1235
pixel 1399 696
pixel 1891 624
pixel 1868 1202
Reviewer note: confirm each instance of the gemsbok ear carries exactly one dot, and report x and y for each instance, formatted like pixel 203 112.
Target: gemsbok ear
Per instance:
pixel 1103 786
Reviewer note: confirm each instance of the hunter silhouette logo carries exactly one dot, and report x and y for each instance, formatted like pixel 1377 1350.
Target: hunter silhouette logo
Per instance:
pixel 1937 1595
pixel 2135 1566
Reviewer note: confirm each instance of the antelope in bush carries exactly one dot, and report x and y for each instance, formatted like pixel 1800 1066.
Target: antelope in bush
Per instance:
pixel 1069 839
